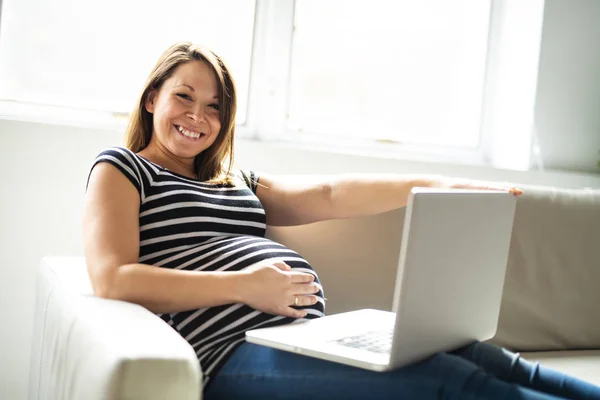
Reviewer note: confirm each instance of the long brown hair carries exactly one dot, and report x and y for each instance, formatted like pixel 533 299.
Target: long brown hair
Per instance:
pixel 215 163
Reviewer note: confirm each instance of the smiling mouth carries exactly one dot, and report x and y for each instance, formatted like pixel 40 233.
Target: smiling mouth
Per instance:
pixel 189 134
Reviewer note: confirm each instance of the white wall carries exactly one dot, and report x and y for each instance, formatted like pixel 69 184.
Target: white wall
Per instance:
pixel 43 174
pixel 567 109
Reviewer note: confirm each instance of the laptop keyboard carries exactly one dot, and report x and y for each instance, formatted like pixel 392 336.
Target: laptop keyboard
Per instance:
pixel 374 341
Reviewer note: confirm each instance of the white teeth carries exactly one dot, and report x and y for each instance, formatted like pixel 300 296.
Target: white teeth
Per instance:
pixel 187 133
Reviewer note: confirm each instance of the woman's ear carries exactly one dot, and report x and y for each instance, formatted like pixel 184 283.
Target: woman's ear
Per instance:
pixel 150 101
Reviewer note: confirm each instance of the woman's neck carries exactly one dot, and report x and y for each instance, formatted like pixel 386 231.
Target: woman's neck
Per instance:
pixel 156 153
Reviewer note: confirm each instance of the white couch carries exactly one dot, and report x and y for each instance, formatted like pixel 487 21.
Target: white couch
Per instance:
pixel 89 348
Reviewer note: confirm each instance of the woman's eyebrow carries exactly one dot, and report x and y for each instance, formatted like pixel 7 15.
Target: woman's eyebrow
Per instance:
pixel 187 86
pixel 192 89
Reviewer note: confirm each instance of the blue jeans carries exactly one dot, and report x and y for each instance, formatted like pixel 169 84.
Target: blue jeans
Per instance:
pixel 478 371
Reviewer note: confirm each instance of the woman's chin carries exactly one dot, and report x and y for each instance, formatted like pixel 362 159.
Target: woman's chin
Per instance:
pixel 186 150
pixel 187 153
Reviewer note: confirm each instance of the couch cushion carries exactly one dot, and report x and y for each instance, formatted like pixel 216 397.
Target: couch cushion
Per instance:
pixel 583 364
pixel 551 296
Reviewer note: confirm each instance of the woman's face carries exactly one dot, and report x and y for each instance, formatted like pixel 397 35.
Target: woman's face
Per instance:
pixel 186 110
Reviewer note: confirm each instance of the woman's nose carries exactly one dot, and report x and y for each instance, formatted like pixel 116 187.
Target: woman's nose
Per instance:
pixel 196 115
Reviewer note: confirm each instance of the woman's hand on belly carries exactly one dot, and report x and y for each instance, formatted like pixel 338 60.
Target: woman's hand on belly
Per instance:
pixel 273 288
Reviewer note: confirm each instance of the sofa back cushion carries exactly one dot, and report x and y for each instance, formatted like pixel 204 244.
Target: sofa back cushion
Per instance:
pixel 552 290
pixel 551 297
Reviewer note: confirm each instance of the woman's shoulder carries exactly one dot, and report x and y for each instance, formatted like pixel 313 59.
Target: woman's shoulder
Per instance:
pixel 124 156
pixel 126 161
pixel 118 152
pixel 249 178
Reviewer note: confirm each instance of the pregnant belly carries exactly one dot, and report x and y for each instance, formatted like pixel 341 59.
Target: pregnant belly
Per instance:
pixel 233 253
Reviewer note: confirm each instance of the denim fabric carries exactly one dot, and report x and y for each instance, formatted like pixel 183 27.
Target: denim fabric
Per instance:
pixel 478 371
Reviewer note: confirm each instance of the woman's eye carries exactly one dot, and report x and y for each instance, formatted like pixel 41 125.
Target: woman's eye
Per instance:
pixel 184 96
pixel 215 106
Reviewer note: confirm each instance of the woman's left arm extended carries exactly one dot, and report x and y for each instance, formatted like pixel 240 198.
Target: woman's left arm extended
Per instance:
pixel 298 200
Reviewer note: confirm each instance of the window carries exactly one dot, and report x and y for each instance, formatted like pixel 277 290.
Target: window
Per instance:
pixel 410 77
pixel 406 71
pixel 96 55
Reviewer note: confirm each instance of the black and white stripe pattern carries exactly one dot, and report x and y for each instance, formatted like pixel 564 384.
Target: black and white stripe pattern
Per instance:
pixel 190 225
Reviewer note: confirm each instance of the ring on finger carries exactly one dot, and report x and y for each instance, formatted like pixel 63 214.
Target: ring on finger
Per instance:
pixel 296 300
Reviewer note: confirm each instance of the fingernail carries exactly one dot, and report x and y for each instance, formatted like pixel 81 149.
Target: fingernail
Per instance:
pixel 516 191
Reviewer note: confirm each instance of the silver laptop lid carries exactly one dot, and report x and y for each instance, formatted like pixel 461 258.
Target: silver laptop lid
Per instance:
pixel 451 269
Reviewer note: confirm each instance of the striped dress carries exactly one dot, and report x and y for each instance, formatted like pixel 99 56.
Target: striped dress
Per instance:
pixel 190 225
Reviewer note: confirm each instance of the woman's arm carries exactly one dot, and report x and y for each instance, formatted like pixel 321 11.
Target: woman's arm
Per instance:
pixel 111 244
pixel 297 200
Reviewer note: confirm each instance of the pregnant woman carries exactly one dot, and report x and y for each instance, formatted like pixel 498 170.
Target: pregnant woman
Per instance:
pixel 170 224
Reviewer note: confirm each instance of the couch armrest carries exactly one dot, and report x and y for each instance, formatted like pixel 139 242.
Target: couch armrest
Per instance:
pixel 85 347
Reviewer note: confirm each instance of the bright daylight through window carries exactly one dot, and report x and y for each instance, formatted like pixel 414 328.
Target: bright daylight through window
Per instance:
pixel 96 55
pixel 403 71
pixel 406 71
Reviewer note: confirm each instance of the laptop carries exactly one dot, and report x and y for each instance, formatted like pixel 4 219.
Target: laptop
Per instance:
pixel 449 283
